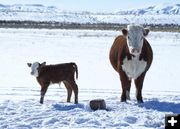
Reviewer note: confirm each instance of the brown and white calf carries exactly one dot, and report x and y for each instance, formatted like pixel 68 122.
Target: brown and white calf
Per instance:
pixel 131 56
pixel 49 74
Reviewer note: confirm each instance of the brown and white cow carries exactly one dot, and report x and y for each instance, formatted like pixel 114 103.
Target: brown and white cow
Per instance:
pixel 131 56
pixel 49 74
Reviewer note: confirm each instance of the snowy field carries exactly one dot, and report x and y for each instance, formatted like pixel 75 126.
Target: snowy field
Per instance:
pixel 19 91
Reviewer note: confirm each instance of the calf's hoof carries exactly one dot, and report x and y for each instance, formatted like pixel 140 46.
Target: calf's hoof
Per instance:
pixel 98 104
pixel 41 101
pixel 76 101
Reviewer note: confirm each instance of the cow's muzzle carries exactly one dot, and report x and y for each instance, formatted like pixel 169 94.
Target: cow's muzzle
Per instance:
pixel 135 51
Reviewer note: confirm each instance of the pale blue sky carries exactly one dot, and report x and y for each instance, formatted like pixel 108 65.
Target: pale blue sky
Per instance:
pixel 92 5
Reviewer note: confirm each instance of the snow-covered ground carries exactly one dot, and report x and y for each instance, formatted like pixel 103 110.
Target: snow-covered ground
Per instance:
pixel 19 91
pixel 159 14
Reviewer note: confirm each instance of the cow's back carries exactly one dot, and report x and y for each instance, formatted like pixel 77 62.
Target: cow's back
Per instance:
pixel 117 48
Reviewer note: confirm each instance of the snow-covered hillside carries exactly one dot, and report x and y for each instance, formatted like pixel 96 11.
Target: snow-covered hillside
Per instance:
pixel 160 14
pixel 167 9
pixel 20 93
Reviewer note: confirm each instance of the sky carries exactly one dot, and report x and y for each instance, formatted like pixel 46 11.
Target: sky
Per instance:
pixel 92 5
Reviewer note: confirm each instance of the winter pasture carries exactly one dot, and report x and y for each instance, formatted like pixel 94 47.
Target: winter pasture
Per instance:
pixel 20 93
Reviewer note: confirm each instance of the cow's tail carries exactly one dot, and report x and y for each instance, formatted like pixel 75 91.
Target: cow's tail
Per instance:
pixel 76 69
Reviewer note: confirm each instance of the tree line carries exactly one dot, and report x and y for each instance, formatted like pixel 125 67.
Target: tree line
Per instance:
pixel 70 25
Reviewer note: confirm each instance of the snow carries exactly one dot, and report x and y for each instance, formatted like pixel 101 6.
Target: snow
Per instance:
pixel 159 14
pixel 168 9
pixel 20 92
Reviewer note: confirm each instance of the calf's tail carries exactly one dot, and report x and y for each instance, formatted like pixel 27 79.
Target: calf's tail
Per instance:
pixel 76 69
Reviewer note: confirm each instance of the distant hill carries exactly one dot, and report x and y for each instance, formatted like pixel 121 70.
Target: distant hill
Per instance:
pixel 167 9
pixel 160 14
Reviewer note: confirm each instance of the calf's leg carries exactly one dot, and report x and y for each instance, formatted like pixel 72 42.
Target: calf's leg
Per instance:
pixel 69 90
pixel 43 92
pixel 75 89
pixel 139 85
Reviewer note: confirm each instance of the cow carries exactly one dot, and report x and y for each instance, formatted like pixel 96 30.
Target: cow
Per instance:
pixel 50 74
pixel 131 57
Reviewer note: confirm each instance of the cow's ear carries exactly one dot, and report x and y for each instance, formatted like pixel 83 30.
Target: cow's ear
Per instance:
pixel 125 32
pixel 146 31
pixel 29 64
pixel 43 64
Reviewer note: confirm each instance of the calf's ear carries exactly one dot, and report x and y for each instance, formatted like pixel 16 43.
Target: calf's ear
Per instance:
pixel 125 31
pixel 44 63
pixel 146 31
pixel 29 64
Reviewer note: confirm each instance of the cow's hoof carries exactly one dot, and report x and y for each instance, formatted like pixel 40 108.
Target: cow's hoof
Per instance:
pixel 98 104
pixel 123 100
pixel 140 101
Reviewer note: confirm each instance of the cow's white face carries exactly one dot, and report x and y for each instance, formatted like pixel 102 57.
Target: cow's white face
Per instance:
pixel 135 37
pixel 34 68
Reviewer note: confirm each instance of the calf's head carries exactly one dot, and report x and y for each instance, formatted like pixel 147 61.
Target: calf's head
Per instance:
pixel 135 36
pixel 35 68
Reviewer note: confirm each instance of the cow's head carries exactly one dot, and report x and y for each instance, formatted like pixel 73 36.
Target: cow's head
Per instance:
pixel 135 36
pixel 35 68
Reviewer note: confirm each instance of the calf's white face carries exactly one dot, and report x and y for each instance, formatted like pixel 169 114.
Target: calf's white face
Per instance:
pixel 34 68
pixel 135 36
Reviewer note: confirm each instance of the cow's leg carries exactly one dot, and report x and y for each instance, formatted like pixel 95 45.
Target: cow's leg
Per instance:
pixel 128 89
pixel 69 90
pixel 43 92
pixel 126 85
pixel 139 85
pixel 75 89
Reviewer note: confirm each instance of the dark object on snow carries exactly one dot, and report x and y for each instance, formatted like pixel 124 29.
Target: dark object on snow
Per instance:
pixel 98 104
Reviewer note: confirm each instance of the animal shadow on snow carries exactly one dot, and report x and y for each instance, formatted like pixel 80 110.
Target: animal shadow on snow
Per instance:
pixel 162 106
pixel 67 106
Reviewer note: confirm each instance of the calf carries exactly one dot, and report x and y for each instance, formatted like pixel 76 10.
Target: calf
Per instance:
pixel 131 56
pixel 47 74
